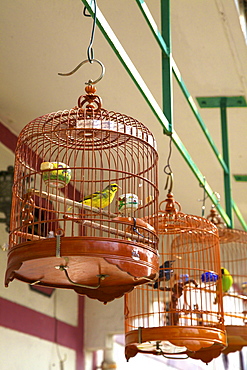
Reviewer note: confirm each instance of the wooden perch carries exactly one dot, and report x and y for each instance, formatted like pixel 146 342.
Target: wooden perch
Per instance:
pixel 71 203
pixel 94 225
pixel 110 230
pixel 233 295
pixel 29 236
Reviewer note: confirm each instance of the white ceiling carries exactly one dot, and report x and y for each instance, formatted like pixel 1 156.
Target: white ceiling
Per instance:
pixel 42 37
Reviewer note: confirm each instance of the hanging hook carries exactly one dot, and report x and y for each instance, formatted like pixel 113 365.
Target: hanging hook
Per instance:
pixel 168 169
pixel 169 180
pixel 90 52
pixel 85 12
pixel 205 196
pixel 90 82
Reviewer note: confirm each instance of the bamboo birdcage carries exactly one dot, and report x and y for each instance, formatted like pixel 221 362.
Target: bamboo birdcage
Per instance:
pixel 181 314
pixel 233 253
pixel 99 249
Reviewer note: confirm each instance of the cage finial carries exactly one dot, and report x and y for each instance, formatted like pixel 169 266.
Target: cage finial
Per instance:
pixel 172 206
pixel 215 218
pixel 91 101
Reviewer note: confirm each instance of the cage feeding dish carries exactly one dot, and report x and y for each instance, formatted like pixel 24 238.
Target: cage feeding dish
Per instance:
pixel 62 237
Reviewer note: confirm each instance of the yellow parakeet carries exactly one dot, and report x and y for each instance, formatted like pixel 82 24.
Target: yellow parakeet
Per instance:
pixel 101 199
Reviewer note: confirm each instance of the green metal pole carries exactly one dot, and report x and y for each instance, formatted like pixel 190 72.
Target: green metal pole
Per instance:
pixel 225 150
pixel 128 65
pixel 153 26
pixel 239 215
pixel 125 60
pixel 166 63
pixel 167 52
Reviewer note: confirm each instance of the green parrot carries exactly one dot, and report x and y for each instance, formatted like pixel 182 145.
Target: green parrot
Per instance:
pixel 226 280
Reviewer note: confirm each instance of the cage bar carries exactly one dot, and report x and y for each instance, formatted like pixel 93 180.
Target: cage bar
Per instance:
pixel 233 252
pixel 181 314
pixel 99 246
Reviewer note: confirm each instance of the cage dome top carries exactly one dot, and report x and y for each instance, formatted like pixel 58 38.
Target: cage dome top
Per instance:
pixel 87 125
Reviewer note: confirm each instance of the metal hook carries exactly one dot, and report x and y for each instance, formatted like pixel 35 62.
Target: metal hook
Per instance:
pixel 175 357
pixel 90 52
pixel 90 82
pixel 100 278
pixel 135 227
pixel 167 355
pixel 169 179
pixel 205 196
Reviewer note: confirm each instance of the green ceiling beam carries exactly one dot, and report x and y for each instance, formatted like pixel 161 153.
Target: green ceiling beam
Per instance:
pixel 239 215
pixel 197 115
pixel 167 93
pixel 215 101
pixel 200 178
pixel 225 148
pixel 164 41
pixel 240 177
pixel 165 46
pixel 128 65
pixel 224 102
pixel 134 74
pixel 236 101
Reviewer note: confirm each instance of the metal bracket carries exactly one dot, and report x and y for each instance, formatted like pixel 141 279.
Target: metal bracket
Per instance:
pixel 59 232
pixel 100 277
pixel 58 245
pixel 140 334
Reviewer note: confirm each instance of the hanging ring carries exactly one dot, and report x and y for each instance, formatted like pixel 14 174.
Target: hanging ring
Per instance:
pixel 90 82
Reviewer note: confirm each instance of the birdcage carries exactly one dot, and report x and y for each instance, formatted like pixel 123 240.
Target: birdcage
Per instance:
pixel 233 252
pixel 180 314
pixel 84 181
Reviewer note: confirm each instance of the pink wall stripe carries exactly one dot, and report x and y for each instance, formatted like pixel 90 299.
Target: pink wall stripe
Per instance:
pixel 25 320
pixel 80 334
pixel 7 138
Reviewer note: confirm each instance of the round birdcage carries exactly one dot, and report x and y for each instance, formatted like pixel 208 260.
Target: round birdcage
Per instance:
pixel 233 253
pixel 181 313
pixel 84 181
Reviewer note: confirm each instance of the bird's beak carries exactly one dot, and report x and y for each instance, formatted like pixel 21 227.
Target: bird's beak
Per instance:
pixel 178 257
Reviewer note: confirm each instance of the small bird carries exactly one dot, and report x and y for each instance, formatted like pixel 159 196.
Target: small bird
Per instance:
pixel 101 199
pixel 165 273
pixel 226 281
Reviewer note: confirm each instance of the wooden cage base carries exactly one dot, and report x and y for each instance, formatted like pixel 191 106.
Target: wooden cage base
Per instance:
pixel 97 268
pixel 236 338
pixel 204 343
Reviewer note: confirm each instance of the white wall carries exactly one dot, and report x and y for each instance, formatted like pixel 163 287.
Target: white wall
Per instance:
pixel 101 321
pixel 19 292
pixel 20 351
